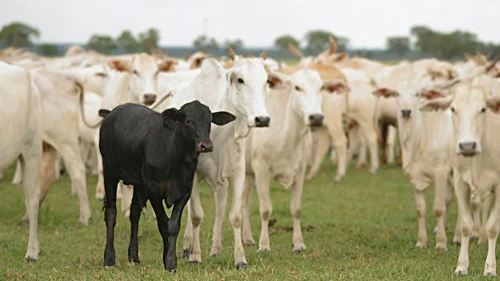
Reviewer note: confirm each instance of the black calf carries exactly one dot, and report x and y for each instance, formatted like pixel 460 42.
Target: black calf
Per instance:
pixel 157 154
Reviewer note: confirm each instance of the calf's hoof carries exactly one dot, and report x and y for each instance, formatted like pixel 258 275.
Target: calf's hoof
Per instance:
pixel 194 262
pixel 242 265
pixel 109 258
pixel 441 247
pixel 185 254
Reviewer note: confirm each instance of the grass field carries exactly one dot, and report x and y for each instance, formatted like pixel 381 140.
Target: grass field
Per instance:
pixel 364 228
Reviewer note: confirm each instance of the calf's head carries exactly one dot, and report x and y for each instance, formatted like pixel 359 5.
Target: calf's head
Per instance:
pixel 143 72
pixel 194 121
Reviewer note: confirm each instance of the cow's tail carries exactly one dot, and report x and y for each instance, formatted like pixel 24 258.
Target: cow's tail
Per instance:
pixel 82 107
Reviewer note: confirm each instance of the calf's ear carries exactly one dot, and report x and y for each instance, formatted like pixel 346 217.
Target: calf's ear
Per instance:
pixel 172 114
pixel 222 118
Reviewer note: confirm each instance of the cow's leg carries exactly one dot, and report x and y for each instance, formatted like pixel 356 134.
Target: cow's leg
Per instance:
pixel 262 179
pixel 47 174
pixel 485 206
pixel 187 241
pixel 110 183
pixel 138 202
pixel 464 211
pixel 420 204
pixel 476 225
pixel 84 152
pixel 295 210
pixel 391 143
pixel 127 194
pixel 237 183
pixel 92 161
pixel 220 210
pixel 76 171
pixel 1 174
pixel 162 220
pixel 340 143
pixel 399 158
pixel 99 190
pixel 18 174
pixel 174 226
pixel 321 148
pixel 362 151
pixel 440 193
pixel 383 142
pixel 245 211
pixel 492 228
pixel 197 215
pixel 30 163
pixel 371 140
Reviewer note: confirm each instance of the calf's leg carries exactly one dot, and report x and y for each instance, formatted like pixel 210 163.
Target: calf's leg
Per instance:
pixel 138 202
pixel 110 183
pixel 492 227
pixel 162 220
pixel 174 226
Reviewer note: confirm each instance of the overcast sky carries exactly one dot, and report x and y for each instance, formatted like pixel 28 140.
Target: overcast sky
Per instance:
pixel 257 22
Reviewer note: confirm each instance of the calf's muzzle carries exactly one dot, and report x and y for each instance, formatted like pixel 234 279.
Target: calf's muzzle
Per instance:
pixel 204 146
pixel 316 120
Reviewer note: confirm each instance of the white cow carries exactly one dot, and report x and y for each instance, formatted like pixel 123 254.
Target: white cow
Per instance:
pixel 61 100
pixel 280 152
pixel 426 154
pixel 240 91
pixel 475 111
pixel 21 124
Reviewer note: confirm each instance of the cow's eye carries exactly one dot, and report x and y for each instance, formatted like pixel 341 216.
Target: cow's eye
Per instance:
pixel 297 88
pixel 483 110
pixel 240 80
pixel 453 109
pixel 189 121
pixel 135 72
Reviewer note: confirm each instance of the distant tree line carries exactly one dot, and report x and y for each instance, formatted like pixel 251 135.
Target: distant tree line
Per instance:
pixel 451 45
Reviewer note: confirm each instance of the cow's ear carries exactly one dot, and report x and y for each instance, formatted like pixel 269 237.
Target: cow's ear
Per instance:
pixel 172 114
pixel 385 92
pixel 120 65
pixel 493 104
pixel 276 81
pixel 338 87
pixel 222 118
pixel 167 65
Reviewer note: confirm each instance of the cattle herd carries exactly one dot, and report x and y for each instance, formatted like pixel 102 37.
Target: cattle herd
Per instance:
pixel 154 127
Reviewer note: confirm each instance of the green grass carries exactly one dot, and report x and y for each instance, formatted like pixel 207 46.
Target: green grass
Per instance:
pixel 364 229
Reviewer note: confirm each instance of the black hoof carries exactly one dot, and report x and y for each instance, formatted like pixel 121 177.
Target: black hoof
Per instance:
pixel 173 270
pixel 457 243
pixel 62 171
pixel 251 244
pixel 242 265
pixel 134 260
pixel 299 251
pixel 23 223
pixel 30 259
pixel 434 232
pixel 185 254
pixel 194 262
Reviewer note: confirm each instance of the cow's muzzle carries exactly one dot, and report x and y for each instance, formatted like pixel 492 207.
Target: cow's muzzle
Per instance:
pixel 467 149
pixel 406 113
pixel 316 120
pixel 148 99
pixel 262 121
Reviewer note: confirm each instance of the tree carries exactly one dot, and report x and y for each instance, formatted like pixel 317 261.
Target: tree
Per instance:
pixel 318 41
pixel 127 42
pixel 204 43
pixel 283 41
pixel 149 40
pixel 49 50
pixel 17 34
pixel 445 45
pixel 102 44
pixel 398 44
pixel 236 44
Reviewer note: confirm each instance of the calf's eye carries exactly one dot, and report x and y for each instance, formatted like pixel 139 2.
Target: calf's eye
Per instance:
pixel 240 80
pixel 483 110
pixel 189 122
